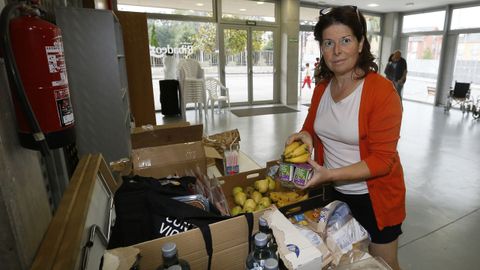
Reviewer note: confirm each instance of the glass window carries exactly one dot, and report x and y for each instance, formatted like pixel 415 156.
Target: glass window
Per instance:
pixel 423 58
pixel 432 21
pixel 464 18
pixel 248 10
pixel 309 16
pixel 467 62
pixel 176 7
pixel 373 23
pixel 375 42
pixel 185 40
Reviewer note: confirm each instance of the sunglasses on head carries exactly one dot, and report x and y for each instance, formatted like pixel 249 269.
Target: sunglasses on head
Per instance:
pixel 326 11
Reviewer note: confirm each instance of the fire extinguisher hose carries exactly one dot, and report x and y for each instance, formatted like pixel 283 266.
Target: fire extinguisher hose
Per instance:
pixel 16 83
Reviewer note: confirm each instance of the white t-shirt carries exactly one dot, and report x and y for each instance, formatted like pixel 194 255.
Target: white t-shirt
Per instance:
pixel 336 124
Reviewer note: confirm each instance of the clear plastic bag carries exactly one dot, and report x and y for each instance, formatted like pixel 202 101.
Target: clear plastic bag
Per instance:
pixel 345 237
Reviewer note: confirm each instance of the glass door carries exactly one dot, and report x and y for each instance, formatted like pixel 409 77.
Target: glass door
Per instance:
pixel 423 58
pixel 262 65
pixel 235 65
pixel 248 64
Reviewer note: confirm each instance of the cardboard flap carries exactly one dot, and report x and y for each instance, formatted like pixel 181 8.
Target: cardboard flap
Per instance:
pixel 161 161
pixel 211 152
pixel 159 135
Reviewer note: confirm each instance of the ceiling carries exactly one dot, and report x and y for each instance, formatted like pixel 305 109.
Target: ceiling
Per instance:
pixel 385 6
pixel 252 8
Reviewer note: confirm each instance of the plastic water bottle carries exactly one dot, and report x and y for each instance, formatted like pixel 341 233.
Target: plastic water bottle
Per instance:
pixel 263 227
pixel 256 259
pixel 170 258
pixel 271 264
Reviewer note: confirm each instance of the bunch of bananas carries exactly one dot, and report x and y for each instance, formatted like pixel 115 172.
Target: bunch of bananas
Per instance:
pixel 296 152
pixel 285 198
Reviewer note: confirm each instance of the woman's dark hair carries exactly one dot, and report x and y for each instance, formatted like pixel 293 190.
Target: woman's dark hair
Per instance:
pixel 390 58
pixel 353 18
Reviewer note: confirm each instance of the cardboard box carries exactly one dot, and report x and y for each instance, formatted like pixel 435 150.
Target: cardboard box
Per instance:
pixel 150 136
pixel 229 242
pixel 68 232
pixel 160 151
pixel 241 179
pixel 161 161
pixel 157 158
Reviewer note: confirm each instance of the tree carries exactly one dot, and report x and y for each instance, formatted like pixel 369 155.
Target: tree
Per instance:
pixel 257 40
pixel 235 41
pixel 153 35
pixel 427 54
pixel 205 38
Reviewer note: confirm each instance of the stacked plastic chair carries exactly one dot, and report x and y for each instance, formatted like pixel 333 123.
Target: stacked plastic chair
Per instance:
pixel 192 84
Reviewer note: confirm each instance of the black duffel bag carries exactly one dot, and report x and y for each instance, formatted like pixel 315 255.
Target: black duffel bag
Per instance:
pixel 145 210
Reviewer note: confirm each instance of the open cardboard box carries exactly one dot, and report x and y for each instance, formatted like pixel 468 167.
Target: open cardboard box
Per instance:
pixel 69 232
pixel 230 237
pixel 160 152
pixel 242 180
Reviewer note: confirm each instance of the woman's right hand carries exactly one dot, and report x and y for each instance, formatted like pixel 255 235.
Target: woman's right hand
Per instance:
pixel 302 136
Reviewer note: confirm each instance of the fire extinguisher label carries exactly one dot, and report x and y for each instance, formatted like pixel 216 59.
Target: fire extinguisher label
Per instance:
pixel 56 61
pixel 64 107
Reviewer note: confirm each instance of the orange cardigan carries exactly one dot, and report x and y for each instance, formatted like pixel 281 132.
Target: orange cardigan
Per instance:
pixel 379 121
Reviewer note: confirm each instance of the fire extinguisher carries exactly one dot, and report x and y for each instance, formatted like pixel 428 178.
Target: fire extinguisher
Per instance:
pixel 33 52
pixel 38 78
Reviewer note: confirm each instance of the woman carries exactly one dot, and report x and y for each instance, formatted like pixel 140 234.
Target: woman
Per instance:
pixel 354 126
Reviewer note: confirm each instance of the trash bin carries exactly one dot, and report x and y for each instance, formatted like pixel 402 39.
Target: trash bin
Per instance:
pixel 170 97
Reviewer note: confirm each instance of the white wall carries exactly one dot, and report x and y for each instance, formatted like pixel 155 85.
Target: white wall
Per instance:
pixel 290 28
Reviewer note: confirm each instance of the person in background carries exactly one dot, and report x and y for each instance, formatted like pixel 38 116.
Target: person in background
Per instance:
pixel 396 70
pixel 353 126
pixel 316 71
pixel 308 77
pixel 317 62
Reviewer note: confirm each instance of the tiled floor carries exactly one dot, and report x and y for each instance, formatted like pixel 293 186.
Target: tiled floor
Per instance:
pixel 441 159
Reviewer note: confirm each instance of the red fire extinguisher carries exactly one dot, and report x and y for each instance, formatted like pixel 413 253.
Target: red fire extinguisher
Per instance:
pixel 38 55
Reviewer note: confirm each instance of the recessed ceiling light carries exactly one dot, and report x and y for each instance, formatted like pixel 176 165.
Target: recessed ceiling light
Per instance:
pixel 199 4
pixel 373 5
pixel 243 9
pixel 409 4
